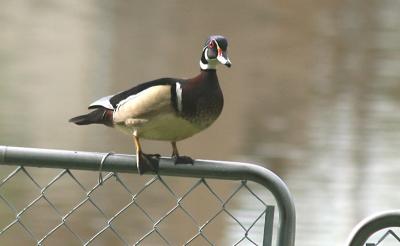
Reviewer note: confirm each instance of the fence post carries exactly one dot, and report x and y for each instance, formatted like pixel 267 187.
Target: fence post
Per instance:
pixel 268 226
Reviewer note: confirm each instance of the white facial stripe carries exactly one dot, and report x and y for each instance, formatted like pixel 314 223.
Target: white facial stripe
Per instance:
pixel 205 54
pixel 179 96
pixel 215 41
pixel 212 63
pixel 222 59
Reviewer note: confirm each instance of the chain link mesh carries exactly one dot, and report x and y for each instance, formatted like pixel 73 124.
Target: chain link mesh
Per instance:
pixel 52 206
pixel 385 237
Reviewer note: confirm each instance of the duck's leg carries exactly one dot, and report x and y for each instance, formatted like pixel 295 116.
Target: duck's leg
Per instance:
pixel 180 159
pixel 145 162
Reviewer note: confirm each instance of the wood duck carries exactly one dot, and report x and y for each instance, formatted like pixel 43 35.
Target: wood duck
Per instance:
pixel 166 109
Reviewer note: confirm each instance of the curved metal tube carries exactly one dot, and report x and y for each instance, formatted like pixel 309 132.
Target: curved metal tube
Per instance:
pixel 201 168
pixel 372 224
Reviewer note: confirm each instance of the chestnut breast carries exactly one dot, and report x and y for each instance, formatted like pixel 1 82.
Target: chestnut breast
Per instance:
pixel 202 99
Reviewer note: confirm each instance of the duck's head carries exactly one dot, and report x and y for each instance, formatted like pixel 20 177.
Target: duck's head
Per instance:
pixel 214 52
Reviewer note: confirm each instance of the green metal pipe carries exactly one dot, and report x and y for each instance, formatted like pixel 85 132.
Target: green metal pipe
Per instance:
pixel 66 159
pixel 372 224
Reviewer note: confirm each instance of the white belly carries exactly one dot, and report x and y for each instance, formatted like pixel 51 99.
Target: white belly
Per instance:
pixel 166 127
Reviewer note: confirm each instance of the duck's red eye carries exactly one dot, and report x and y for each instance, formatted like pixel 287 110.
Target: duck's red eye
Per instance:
pixel 211 45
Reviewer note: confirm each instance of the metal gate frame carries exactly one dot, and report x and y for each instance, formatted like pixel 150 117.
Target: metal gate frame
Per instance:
pixel 65 159
pixel 372 224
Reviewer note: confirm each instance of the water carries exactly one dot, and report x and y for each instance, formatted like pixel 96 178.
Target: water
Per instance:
pixel 313 92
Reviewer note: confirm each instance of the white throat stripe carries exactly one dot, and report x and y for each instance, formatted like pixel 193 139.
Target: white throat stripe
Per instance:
pixel 211 63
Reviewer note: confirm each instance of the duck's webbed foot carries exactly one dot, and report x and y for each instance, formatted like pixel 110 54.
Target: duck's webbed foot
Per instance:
pixel 180 159
pixel 147 162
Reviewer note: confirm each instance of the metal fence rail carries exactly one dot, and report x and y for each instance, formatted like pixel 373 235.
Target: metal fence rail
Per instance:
pixel 366 228
pixel 203 173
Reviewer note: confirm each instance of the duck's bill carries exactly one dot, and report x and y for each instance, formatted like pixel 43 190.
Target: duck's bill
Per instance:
pixel 223 58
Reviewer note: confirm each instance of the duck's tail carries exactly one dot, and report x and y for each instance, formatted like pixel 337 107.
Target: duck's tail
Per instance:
pixel 98 116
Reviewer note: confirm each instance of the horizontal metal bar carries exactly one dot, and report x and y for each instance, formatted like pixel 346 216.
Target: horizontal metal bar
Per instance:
pixel 66 159
pixel 372 224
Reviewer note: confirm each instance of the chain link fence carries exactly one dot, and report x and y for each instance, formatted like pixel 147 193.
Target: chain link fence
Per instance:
pixel 209 203
pixel 379 229
pixel 385 237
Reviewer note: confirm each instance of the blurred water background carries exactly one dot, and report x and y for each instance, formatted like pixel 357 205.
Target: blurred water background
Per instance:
pixel 313 93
